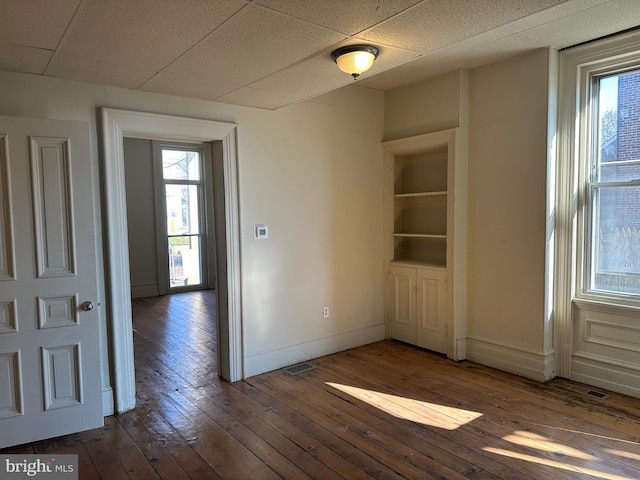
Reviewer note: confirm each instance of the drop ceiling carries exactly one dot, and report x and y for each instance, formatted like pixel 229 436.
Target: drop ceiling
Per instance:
pixel 272 53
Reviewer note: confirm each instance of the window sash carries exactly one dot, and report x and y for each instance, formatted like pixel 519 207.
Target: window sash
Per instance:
pixel 595 182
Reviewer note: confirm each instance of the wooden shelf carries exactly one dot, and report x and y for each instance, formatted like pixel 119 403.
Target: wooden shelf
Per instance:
pixel 420 194
pixel 420 235
pixel 417 264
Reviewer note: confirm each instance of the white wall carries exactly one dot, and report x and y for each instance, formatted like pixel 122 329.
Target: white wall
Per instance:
pixel 507 212
pixel 141 217
pixel 315 177
pixel 312 172
pixel 426 106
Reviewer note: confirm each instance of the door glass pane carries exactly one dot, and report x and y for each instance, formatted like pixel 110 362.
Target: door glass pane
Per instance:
pixel 180 165
pixel 183 215
pixel 184 261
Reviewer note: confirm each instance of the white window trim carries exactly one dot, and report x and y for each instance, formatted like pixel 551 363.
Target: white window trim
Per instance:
pixel 577 67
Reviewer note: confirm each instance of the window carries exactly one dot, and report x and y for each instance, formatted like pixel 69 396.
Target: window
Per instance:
pixel 612 183
pixel 184 219
pixel 596 214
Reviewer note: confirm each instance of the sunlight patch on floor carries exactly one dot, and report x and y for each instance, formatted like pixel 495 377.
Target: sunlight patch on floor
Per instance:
pixel 417 411
pixel 533 440
pixel 580 432
pixel 555 464
pixel 622 453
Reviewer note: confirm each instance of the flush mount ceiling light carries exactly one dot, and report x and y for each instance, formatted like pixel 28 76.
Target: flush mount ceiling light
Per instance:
pixel 355 59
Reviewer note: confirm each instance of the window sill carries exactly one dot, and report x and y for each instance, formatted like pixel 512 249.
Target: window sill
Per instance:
pixel 606 306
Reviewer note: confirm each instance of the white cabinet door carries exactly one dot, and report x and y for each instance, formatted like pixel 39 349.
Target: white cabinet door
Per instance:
pixel 431 309
pixel 402 324
pixel 49 349
pixel 418 307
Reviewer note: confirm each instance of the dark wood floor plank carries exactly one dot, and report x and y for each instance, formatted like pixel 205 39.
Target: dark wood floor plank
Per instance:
pixel 363 423
pixel 105 460
pixel 459 456
pixel 382 411
pixel 523 407
pixel 306 419
pixel 126 450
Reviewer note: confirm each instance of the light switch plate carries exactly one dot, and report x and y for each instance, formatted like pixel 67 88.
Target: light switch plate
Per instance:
pixel 260 231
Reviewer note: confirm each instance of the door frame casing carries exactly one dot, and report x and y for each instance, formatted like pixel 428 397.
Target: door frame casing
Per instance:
pixel 116 125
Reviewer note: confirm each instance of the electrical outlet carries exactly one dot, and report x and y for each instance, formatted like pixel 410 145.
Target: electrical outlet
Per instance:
pixel 325 312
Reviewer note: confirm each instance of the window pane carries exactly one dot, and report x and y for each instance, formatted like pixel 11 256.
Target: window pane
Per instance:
pixel 618 121
pixel 180 165
pixel 616 240
pixel 184 261
pixel 182 209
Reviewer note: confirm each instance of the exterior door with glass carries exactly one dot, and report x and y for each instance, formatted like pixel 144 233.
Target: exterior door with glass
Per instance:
pixel 182 239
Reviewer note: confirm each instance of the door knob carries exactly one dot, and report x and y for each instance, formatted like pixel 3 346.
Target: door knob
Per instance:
pixel 87 306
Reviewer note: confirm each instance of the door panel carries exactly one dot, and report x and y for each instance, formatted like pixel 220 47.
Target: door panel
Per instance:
pixel 432 301
pixel 402 325
pixel 50 381
pixel 52 206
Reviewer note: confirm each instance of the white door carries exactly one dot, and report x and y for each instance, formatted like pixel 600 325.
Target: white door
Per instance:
pixel 49 350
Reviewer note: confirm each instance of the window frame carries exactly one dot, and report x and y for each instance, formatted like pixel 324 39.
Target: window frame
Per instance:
pixel 568 95
pixel 587 140
pixel 205 213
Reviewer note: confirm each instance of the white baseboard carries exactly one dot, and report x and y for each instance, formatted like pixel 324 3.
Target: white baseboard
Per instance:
pixel 604 373
pixel 538 365
pixel 272 360
pixel 108 408
pixel 143 291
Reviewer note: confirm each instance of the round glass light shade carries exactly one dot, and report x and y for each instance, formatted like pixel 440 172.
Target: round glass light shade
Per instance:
pixel 355 59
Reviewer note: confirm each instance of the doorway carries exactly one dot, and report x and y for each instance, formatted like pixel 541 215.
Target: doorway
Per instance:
pixel 120 124
pixel 170 216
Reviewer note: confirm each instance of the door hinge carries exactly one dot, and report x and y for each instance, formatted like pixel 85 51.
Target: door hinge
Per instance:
pixel 389 277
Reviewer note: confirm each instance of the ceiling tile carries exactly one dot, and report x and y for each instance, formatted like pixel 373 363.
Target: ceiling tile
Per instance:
pixel 425 66
pixel 253 44
pixel 35 23
pixel 23 59
pixel 174 84
pixel 491 52
pixel 589 24
pixel 556 12
pixel 251 97
pixel 438 23
pixel 408 73
pixel 66 65
pixel 344 16
pixel 143 32
pixel 308 78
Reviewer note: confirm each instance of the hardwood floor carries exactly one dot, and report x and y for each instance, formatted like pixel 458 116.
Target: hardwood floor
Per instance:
pixel 383 411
